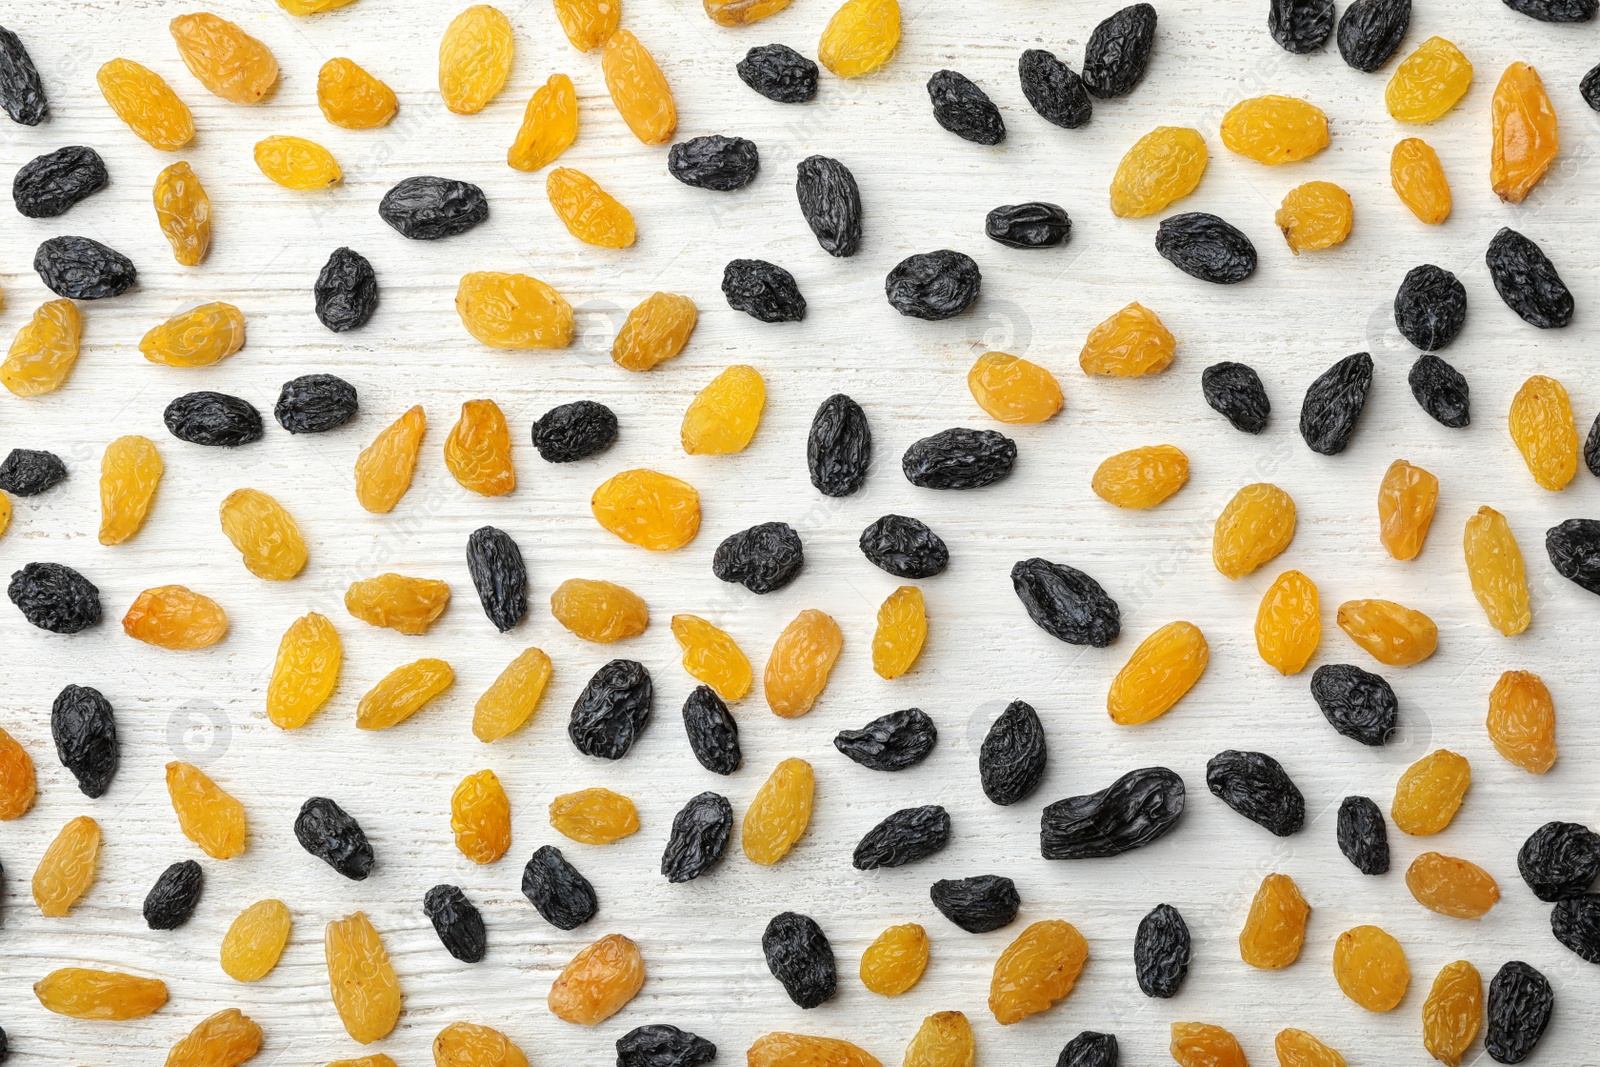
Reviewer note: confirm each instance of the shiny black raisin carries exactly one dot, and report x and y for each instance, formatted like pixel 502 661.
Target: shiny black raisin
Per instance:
pixel 1441 391
pixel 1430 307
pixel 570 432
pixel 1591 448
pixel 1357 703
pixel 1140 807
pixel 426 208
pixel 1333 403
pixel 457 921
pixel 964 109
pixel 762 290
pixel 81 269
pixel 1206 247
pixel 890 742
pixel 933 285
pixel 326 831
pixel 499 575
pixel 763 559
pixel 799 955
pixel 1519 1007
pixel 1575 922
pixel 1256 786
pixel 1574 550
pixel 715 162
pixel 1035 224
pixel 1556 10
pixel 1560 860
pixel 1589 88
pixel 831 204
pixel 959 458
pixel 1161 952
pixel 1054 89
pixel 1371 30
pixel 904 547
pixel 1118 51
pixel 1234 391
pixel 22 96
pixel 1089 1049
pixel 839 446
pixel 562 895
pixel 29 471
pixel 909 835
pixel 779 73
pixel 346 291
pixel 611 710
pixel 54 597
pixel 172 900
pixel 661 1045
pixel 207 418
pixel 700 833
pixel 85 733
pixel 978 904
pixel 1066 603
pixel 713 732
pixel 315 403
pixel 1011 760
pixel 49 185
pixel 1300 26
pixel 1527 281
pixel 1363 835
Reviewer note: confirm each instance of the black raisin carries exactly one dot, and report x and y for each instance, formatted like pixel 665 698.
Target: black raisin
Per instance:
pixel 1118 51
pixel 779 73
pixel 498 574
pixel 574 431
pixel 909 835
pixel 1206 247
pixel 715 162
pixel 839 446
pixel 1035 224
pixel 1589 88
pixel 700 833
pixel 1054 89
pixel 964 109
pixel 661 1045
pixel 831 204
pixel 1011 760
pixel 5 1046
pixel 933 285
pixel 1591 448
pixel 346 291
pixel 1256 786
pixel 81 269
pixel 1527 281
pixel 22 96
pixel 85 732
pixel 558 890
pixel 49 185
pixel 1363 835
pixel 1371 30
pixel 890 742
pixel 1430 307
pixel 207 418
pixel 713 732
pixel 1161 952
pixel 763 558
pixel 54 597
pixel 1556 10
pixel 1560 860
pixel 426 208
pixel 29 472
pixel 905 547
pixel 1574 551
pixel 1300 26
pixel 1333 403
pixel 1089 1049
pixel 959 458
pixel 762 290
pixel 1135 810
pixel 1575 922
pixel 1519 1007
pixel 172 900
pixel 1234 391
pixel 611 710
pixel 1441 391
pixel 978 904
pixel 1357 703
pixel 799 955
pixel 1066 603
pixel 315 403
pixel 457 921
pixel 326 831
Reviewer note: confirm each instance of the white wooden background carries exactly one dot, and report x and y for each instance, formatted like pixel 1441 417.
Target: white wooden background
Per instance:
pixel 923 189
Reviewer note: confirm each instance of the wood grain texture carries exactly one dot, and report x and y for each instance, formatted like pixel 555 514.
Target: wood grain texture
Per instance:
pixel 923 189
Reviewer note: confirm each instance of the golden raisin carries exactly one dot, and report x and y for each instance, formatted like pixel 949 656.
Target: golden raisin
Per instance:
pixel 597 611
pixel 1254 529
pixel 648 509
pixel 1541 427
pixel 81 993
pixel 1296 1048
pixel 384 468
pixel 943 1040
pixel 778 816
pixel 1205 1045
pixel 1371 968
pixel 312 7
pixel 549 124
pixel 1163 166
pixel 1419 180
pixel 779 1049
pixel 255 940
pixel 478 450
pixel 1429 792
pixel 589 213
pixel 45 349
pixel 265 535
pixel 742 12
pixel 296 163
pixel 474 58
pixel 223 58
pixel 18 783
pixel 1013 390
pixel 1164 667
pixel 1036 970
pixel 594 816
pixel 711 656
pixel 1276 926
pixel 1141 477
pixel 1289 623
pixel 225 1039
pixel 902 629
pixel 1406 499
pixel 724 415
pixel 377 1059
pixel 130 470
pixel 1315 216
pixel 860 37
pixel 366 993
pixel 1391 633
pixel 1494 564
pixel 67 869
pixel 802 658
pixel 894 962
pixel 513 696
pixel 655 330
pixel 306 671
pixel 480 817
pixel 1451 886
pixel 207 814
pixel 513 311
pixel 1525 135
pixel 171 616
pixel 639 89
pixel 183 210
pixel 1522 721
pixel 1453 1012
pixel 1428 82
pixel 405 605
pixel 589 24
pixel 1131 343
pixel 402 693
pixel 471 1045
pixel 5 513
pixel 599 981
pixel 198 337
pixel 352 98
pixel 1275 129
pixel 143 100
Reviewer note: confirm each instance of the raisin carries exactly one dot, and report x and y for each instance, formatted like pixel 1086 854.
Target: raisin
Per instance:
pixel 830 202
pixel 1574 550
pixel 513 697
pixel 964 109
pixel 1296 1048
pixel 1275 129
pixel 959 458
pixel 908 835
pixel 802 658
pixel 638 89
pixel 328 833
pixel 499 576
pixel 860 37
pixel 588 24
pixel 1429 793
pixel 21 92
pixel 1589 88
pixel 978 904
pixel 366 993
pixel 1066 603
pixel 471 1045
pixel 1429 82
pixel 601 978
pixel 902 629
pixel 1275 929
pixel 1391 633
pixel 29 472
pixel 18 782
pixel 1013 390
pixel 1520 1005
pixel 1333 404
pixel 932 285
pixel 184 213
pixel 1441 390
pixel 904 547
pixel 1256 786
pixel 839 447
pixel 1315 216
pixel 1527 281
pixel 142 99
pixel 1522 721
pixel 457 921
pixel 402 693
pixel 1542 428
pixel 895 960
pixel 1163 166
pixel 1555 10
pixel 384 468
pixel 55 597
pixel 1161 952
pixel 346 291
pixel 601 612
pixel 223 58
pixel 1235 392
pixel 1037 969
pixel 762 290
pixel 254 941
pixel 264 533
pixel 352 98
pixel 1164 667
pixel 68 867
pixel 1288 623
pixel 1575 922
pixel 474 58
pixel 1525 135
pixel 1419 180
pixel 315 403
pixel 779 73
pixel 777 818
pixel 1141 477
pixel 305 672
pixel 549 125
pixel 647 508
pixel 700 833
pixel 1035 224
pixel 81 269
pixel 558 890
pixel 1300 26
pixel 296 163
pixel 172 900
pixel 1054 89
pixel 1205 247
pixel 660 1045
pixel 1254 528
pixel 1119 51
pixel 45 349
pixel 589 213
pixel 1453 1012
pixel 713 733
pixel 1591 448
pixel 85 733
pixel 226 1039
pixel 1371 968
pixel 1089 1049
pixel 799 956
pixel 611 710
pixel 207 814
pixel 198 337
pixel 1451 886
pixel 890 742
pixel 1358 704
pixel 82 993
pixel 427 208
pixel 724 416
pixel 1371 30
pixel 574 431
pixel 49 186
pixel 1406 500
pixel 1560 860
pixel 943 1040
pixel 208 418
pixel 1140 807
pixel 1430 307
pixel 711 656
pixel 480 817
pixel 714 162
pixel 405 605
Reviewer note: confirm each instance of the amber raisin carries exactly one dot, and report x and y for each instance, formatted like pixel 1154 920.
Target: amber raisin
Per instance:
pixel 1391 633
pixel 647 508
pixel 1296 1048
pixel 1542 429
pixel 655 330
pixel 207 815
pixel 1037 969
pixel 549 123
pixel 894 962
pixel 224 58
pixel 264 533
pixel 1163 166
pixel 170 616
pixel 711 656
pixel 589 213
pixel 366 993
pixel 1205 1045
pixel 1276 926
pixel 943 1040
pixel 1013 390
pixel 142 99
pixel 741 12
pixel 1370 966
pixel 1315 216
pixel 599 981
pixel 296 163
pixel 723 416
pixel 305 672
pixel 597 611
pixel 1522 721
pixel 68 867
pixel 1453 1012
pixel 1430 791
pixel 779 813
pixel 471 1045
pixel 1288 623
pixel 1451 886
pixel 513 696
pixel 1428 82
pixel 196 338
pixel 226 1039
pixel 1275 129
pixel 1141 477
pixel 130 470
pixel 44 350
pixel 82 993
pixel 802 658
pixel 513 311
pixel 1419 180
pixel 384 468
pixel 638 89
pixel 255 940
pixel 406 605
pixel 860 37
pixel 18 784
pixel 1494 564
pixel 902 629
pixel 352 98
pixel 474 58
pixel 402 693
pixel 1525 135
pixel 594 816
pixel 480 817
pixel 779 1049
pixel 1164 667
pixel 478 449
pixel 1130 343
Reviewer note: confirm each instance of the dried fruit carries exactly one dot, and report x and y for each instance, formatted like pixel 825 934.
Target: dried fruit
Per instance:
pixel 1574 550
pixel 1371 30
pixel 602 612
pixel 943 1040
pixel 638 89
pixel 570 432
pixel 18 783
pixel 55 597
pixel 214 419
pixel 82 269
pixel 1275 129
pixel 839 447
pixel 1522 721
pixel 724 415
pixel 315 403
pixel 1520 1004
pixel 29 472
pixel 1419 180
pixel 1428 82
pixel 763 558
pixel 1254 528
pixel 1164 667
pixel 932 285
pixel 1119 51
pixel 1163 166
pixel 1406 499
pixel 474 58
pixel 589 213
pixel 588 24
pixel 799 956
pixel 648 509
pixel 1315 216
pixel 225 1039
pixel 978 904
pixel 480 817
pixel 1256 786
pixel 1300 26
pixel 384 468
pixel 207 814
pixel 172 900
pixel 1333 403
pixel 779 73
pixel 264 533
pixel 959 458
pixel 1054 89
pixel 1589 88
pixel 659 327
pixel 715 162
pixel 1358 704
pixel 860 37
pixel 352 98
pixel 428 208
pixel 346 293
pixel 513 696
pixel 1371 968
pixel 326 831
pixel 478 449
pixel 1140 807
pixel 1453 1012
pixel 711 656
pixel 1276 926
pixel 1441 391
pixel 964 109
pixel 802 658
pixel 762 290
pixel 1541 427
pixel 555 887
pixel 660 1045
pixel 1161 952
pixel 471 1045
pixel 1560 860
pixel 1234 391
pixel 305 672
pixel 1035 224
pixel 142 99
pixel 85 733
pixel 402 693
pixel 48 186
pixel 223 58
pixel 1066 603
pixel 1037 969
pixel 895 960
pixel 778 815
pixel 890 742
pixel 1431 307
pixel 459 925
pixel 1089 1049
pixel 21 93
pixel 611 710
pixel 498 575
pixel 171 616
pixel 549 125
pixel 1363 836
pixel 82 993
pixel 700 833
pixel 1296 1048
pixel 1288 623
pixel 902 629
pixel 830 202
pixel 1555 10
pixel 713 733
pixel 1525 135
pixel 904 547
pixel 908 835
pixel 1206 247
pixel 67 868
pixel 1141 477
pixel 1575 922
pixel 44 350
pixel 1451 886
pixel 405 605
pixel 1429 792
pixel 254 941
pixel 365 992
pixel 1391 633
pixel 296 163
pixel 196 338
pixel 1013 390
pixel 601 978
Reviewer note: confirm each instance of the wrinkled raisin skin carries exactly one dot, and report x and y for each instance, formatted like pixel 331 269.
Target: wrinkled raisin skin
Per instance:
pixel 904 547
pixel 1560 860
pixel 762 290
pixel 700 833
pixel 839 447
pixel 55 597
pixel 908 835
pixel 570 432
pixel 1118 51
pixel 611 710
pixel 499 575
pixel 48 186
pixel 457 921
pixel 1363 835
pixel 779 73
pixel 1357 703
pixel 81 269
pixel 217 419
pixel 715 162
pixel 1036 224
pixel 831 203
pixel 562 895
pixel 660 1045
pixel 979 904
pixel 799 956
pixel 890 742
pixel 1575 922
pixel 29 472
pixel 1333 403
pixel 1556 10
pixel 1089 1049
pixel 172 900
pixel 22 96
pixel 1519 1007
pixel 1161 952
pixel 713 732
pixel 1235 392
pixel 85 733
pixel 964 109
pixel 1441 391
pixel 426 208
pixel 1371 30
pixel 1206 247
pixel 328 833
pixel 1011 761
pixel 763 559
pixel 1574 550
pixel 315 403
pixel 1430 307
pixel 959 458
pixel 1256 786
pixel 1135 810
pixel 933 285
pixel 1054 89
pixel 1527 281
pixel 346 291
pixel 1066 603
pixel 1300 26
